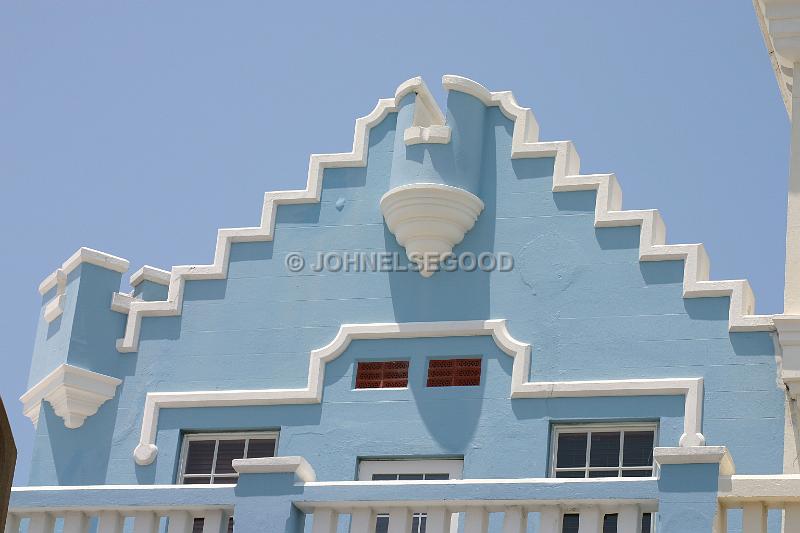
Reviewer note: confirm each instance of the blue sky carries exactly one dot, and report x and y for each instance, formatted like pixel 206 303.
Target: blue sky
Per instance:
pixel 139 128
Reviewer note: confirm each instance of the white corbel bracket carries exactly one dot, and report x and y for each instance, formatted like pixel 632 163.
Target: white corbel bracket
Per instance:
pixel 74 393
pixel 788 328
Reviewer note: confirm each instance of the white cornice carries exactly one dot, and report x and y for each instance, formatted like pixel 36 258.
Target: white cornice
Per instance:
pixel 151 274
pixel 277 465
pixel 524 145
pixel 74 393
pixel 690 388
pixel 58 278
pixel 784 74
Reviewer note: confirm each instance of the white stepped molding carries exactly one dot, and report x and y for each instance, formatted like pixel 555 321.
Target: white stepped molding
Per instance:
pixel 58 278
pixel 151 274
pixel 294 464
pixel 74 393
pixel 429 219
pixel 690 388
pixel 524 145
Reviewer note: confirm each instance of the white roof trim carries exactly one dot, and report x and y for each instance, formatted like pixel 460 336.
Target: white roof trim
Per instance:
pixel 524 145
pixel 691 388
pixel 151 274
pixel 782 75
pixel 84 255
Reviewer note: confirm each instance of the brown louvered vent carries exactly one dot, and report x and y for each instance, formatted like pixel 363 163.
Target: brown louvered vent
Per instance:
pixel 381 374
pixel 454 372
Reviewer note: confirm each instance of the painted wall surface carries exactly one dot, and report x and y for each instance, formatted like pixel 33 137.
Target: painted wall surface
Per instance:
pixel 578 294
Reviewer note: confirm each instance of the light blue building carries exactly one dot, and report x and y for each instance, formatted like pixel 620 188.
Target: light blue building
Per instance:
pixel 450 329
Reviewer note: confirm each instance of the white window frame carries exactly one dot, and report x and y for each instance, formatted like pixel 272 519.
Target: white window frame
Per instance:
pixel 232 435
pixel 600 427
pixel 367 467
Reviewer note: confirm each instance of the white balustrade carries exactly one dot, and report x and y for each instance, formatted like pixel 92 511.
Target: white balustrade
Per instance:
pixel 474 518
pixel 215 520
pixel 755 496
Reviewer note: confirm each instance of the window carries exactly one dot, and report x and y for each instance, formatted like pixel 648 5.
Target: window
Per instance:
pixel 408 470
pixel 603 450
pixel 381 374
pixel 454 372
pixel 207 458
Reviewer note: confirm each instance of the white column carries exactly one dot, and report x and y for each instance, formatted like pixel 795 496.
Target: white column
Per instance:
pixel 550 520
pixel 476 521
pixel 180 522
pixel 754 518
pixel 515 520
pixel 791 517
pixel 590 520
pixel 145 522
pixel 109 522
pixel 215 521
pixel 629 520
pixel 400 520
pixel 325 521
pixel 791 291
pixel 438 520
pixel 76 522
pixel 12 523
pixel 362 521
pixel 721 520
pixel 41 523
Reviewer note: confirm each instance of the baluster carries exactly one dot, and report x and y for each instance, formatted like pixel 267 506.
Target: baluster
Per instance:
pixel 590 520
pixel 325 521
pixel 41 523
pixel 550 520
pixel 438 520
pixel 476 521
pixel 721 520
pixel 515 520
pixel 215 521
pixel 12 523
pixel 791 517
pixel 110 522
pixel 754 518
pixel 180 522
pixel 76 522
pixel 362 521
pixel 145 522
pixel 400 520
pixel 629 519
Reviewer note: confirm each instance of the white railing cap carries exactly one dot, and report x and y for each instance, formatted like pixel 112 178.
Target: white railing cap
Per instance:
pixel 696 455
pixel 277 465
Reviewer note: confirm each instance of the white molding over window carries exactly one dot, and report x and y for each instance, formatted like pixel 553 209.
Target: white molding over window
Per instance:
pixel 452 467
pixel 690 388
pixel 74 393
pixel 525 144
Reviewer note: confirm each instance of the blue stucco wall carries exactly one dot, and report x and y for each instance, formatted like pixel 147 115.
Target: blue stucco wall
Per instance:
pixel 579 295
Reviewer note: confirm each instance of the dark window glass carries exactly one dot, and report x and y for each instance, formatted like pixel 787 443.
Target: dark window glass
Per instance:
pixel 382 524
pixel 571 452
pixel 384 477
pixel 261 448
pixel 610 523
pixel 454 372
pixel 204 480
pixel 411 477
pixel 200 457
pixel 381 374
pixel 647 519
pixel 637 473
pixel 637 449
pixel 437 476
pixel 571 473
pixel 570 523
pixel 603 473
pixel 227 451
pixel 197 525
pixel 605 449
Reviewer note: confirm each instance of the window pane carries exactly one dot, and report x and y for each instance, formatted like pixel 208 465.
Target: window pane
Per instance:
pixel 437 476
pixel 637 473
pixel 227 451
pixel 605 449
pixel 647 519
pixel 610 523
pixel 571 473
pixel 638 448
pixel 384 477
pixel 199 457
pixel 570 523
pixel 382 524
pixel 196 480
pixel 197 525
pixel 411 477
pixel 571 450
pixel 604 473
pixel 261 448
